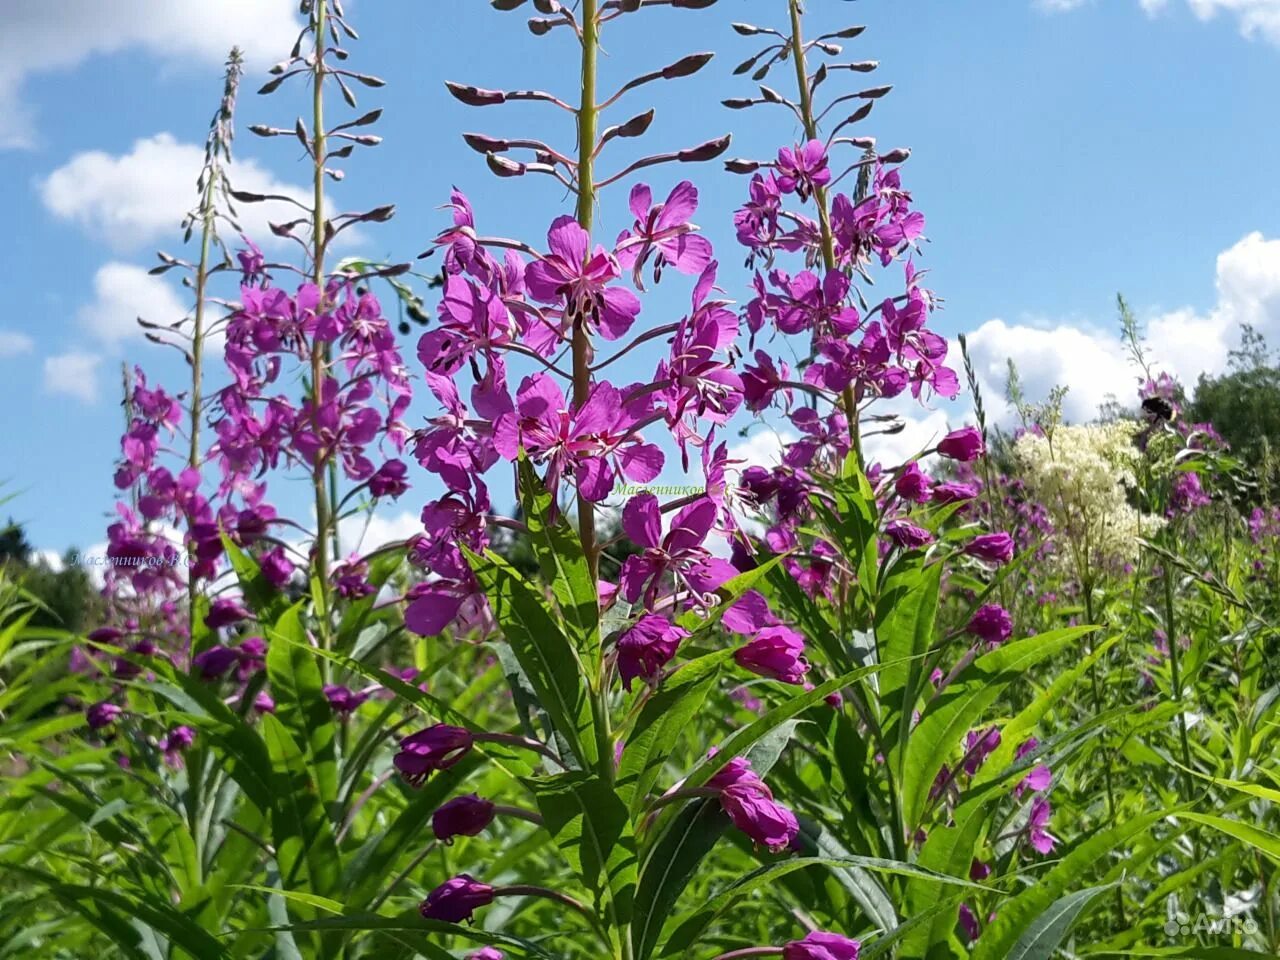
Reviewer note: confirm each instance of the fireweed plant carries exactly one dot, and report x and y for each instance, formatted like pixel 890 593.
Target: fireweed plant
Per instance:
pixel 826 709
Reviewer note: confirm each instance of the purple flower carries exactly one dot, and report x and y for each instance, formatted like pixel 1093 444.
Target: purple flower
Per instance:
pixel 576 443
pixel 978 746
pixel 102 714
pixel 224 612
pixel 762 380
pixel 1187 495
pixel 964 445
pixel 969 922
pixel 389 479
pixel 737 770
pixel 566 276
pixel 991 624
pixel 907 535
pixel 676 553
pixel 994 548
pixel 820 945
pixel 776 653
pixel 913 484
pixel 456 900
pixel 1037 827
pixel 175 742
pixel 1037 780
pixel 663 229
pixel 276 567
pixel 462 817
pixel 351 579
pixel 647 647
pixel 252 262
pixel 437 747
pixel 802 169
pixel 342 700
pixel 486 953
pixel 751 807
pixel 979 871
pixel 213 662
pixel 954 492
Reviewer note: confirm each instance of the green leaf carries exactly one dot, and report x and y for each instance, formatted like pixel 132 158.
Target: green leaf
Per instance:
pixel 662 721
pixel 742 739
pixel 1247 833
pixel 591 825
pixel 411 923
pixel 358 612
pixel 691 927
pixel 1019 915
pixel 564 566
pixel 1041 939
pixel 549 660
pixel 298 688
pixel 154 912
pixel 669 862
pixel 261 595
pixel 301 830
pixel 906 609
pixel 955 710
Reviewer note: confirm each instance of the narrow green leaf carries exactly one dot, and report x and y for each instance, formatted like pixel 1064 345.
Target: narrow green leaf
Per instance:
pixel 549 660
pixel 564 566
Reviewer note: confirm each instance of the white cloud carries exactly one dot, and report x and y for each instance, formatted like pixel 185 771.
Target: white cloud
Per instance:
pixel 763 448
pixel 381 529
pixel 122 293
pixel 1092 361
pixel 140 197
pixel 51 559
pixel 1061 6
pixel 13 343
pixel 75 374
pixel 1255 17
pixel 921 428
pixel 41 36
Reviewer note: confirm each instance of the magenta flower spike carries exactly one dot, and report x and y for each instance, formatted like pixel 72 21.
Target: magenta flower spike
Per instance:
pixel 821 945
pixel 437 747
pixel 456 900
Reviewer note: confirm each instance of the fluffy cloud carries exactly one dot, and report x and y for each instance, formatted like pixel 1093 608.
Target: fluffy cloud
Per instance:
pixel 122 293
pixel 74 374
pixel 140 197
pixel 1256 18
pixel 921 428
pixel 13 343
pixel 1094 364
pixel 364 532
pixel 42 36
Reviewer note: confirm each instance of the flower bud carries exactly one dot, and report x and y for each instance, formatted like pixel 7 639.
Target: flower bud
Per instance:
pixel 456 900
pixel 462 817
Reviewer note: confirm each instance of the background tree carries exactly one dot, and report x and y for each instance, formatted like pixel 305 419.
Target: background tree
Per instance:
pixel 1243 405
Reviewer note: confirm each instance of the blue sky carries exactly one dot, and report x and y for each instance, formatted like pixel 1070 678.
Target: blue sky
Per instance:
pixel 1063 151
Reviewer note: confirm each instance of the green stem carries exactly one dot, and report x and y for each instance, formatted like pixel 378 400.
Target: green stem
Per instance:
pixel 1175 670
pixel 1106 756
pixel 318 350
pixel 587 121
pixel 197 765
pixel 588 116
pixel 800 62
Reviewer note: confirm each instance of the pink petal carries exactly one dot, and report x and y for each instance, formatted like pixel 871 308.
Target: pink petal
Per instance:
pixel 680 206
pixel 642 520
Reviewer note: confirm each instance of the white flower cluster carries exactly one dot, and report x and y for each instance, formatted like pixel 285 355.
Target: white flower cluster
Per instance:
pixel 1084 475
